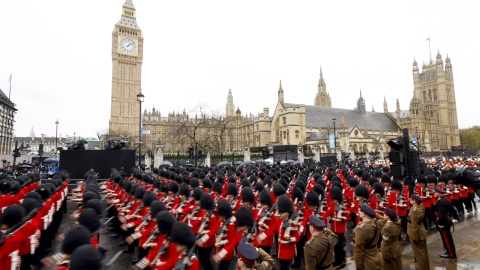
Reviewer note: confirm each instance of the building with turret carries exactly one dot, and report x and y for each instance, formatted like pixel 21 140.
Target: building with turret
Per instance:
pixel 310 129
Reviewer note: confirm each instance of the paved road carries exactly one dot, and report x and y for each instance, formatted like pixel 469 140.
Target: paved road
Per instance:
pixel 466 238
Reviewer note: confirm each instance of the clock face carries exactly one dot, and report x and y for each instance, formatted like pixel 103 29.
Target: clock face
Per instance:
pixel 128 45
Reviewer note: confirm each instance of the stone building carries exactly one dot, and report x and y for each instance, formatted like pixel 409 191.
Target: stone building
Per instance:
pixel 432 115
pixel 306 130
pixel 127 58
pixel 7 115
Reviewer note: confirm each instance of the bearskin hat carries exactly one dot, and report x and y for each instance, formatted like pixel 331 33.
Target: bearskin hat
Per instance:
pixel 86 257
pixel 443 178
pixel 312 199
pixel 361 191
pixel 182 234
pixel 396 184
pixel 353 182
pixel 206 202
pixel 34 195
pixel 283 182
pixel 89 195
pixel 265 198
pixel 320 190
pixel 89 219
pixel 244 217
pixel 184 190
pixel 336 194
pixel 372 180
pixel 378 188
pixel 297 195
pixel 224 209
pixel 156 207
pixel 12 215
pixel 75 237
pixel 247 195
pixel 139 192
pixel 385 179
pixel 165 222
pixel 232 189
pixel 365 176
pixel 207 183
pixel 337 184
pixel 148 198
pixel 278 190
pixel 163 187
pixel 30 204
pixel 94 204
pixel 173 187
pixel 421 179
pixel 259 186
pixel 284 204
pixel 431 178
pixel 300 184
pixel 127 186
pixel 217 186
pixel 197 193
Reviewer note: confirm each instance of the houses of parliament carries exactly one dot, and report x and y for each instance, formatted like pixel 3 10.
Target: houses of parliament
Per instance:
pixel 431 117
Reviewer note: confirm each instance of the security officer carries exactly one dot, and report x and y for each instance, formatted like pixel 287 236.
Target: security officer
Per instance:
pixel 417 232
pixel 444 209
pixel 365 239
pixel 318 250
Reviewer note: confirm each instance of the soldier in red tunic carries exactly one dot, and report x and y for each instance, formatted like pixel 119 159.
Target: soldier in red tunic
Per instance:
pixel 183 237
pixel 288 232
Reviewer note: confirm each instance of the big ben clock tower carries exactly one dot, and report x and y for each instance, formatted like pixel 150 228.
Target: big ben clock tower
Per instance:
pixel 127 57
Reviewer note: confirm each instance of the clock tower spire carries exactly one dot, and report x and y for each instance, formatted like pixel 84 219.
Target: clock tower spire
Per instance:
pixel 127 58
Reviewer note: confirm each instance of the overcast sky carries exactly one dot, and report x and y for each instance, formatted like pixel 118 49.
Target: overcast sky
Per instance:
pixel 194 51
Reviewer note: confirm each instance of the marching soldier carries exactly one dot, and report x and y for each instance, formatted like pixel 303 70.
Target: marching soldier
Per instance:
pixel 163 253
pixel 365 239
pixel 266 221
pixel 318 250
pixel 226 232
pixel 390 247
pixel 206 235
pixel 183 236
pixel 86 257
pixel 444 210
pixel 288 232
pixel 339 218
pixel 417 232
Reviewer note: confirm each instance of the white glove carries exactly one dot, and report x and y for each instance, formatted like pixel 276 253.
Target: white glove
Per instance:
pixel 455 221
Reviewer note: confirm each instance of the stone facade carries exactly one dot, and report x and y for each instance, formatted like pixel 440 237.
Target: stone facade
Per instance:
pixel 127 58
pixel 432 116
pixel 7 115
pixel 358 133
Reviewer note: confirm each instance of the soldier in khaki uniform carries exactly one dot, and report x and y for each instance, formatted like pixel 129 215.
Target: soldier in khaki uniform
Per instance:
pixel 365 239
pixel 417 233
pixel 391 247
pixel 318 250
pixel 250 257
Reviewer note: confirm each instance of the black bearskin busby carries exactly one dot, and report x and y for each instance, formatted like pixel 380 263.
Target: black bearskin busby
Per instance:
pixel 265 198
pixel 284 204
pixel 244 217
pixel 206 202
pixel 182 234
pixel 361 191
pixel 336 194
pixel 165 221
pixel 224 209
pixel 312 199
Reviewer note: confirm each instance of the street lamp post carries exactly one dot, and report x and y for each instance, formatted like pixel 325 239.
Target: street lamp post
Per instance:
pixel 334 135
pixel 56 136
pixel 140 98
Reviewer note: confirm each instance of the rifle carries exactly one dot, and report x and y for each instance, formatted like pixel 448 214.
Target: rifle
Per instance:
pixel 249 237
pixel 204 224
pixel 10 231
pixel 151 236
pixel 222 231
pixel 182 263
pixel 162 251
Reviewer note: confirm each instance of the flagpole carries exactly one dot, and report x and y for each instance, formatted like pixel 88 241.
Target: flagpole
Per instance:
pixel 429 49
pixel 10 90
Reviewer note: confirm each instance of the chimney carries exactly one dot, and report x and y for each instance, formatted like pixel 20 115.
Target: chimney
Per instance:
pixel 265 112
